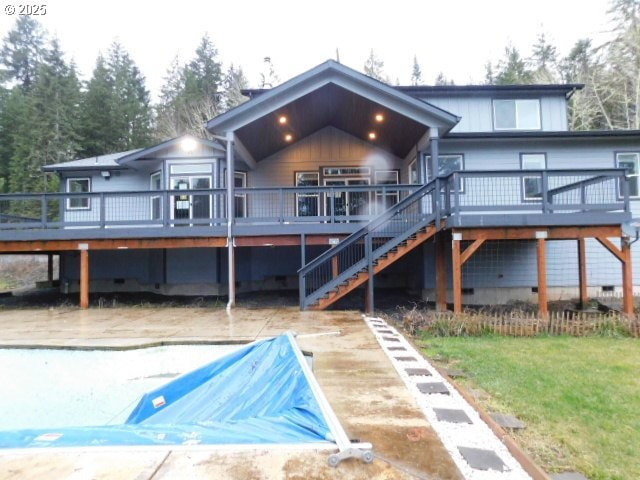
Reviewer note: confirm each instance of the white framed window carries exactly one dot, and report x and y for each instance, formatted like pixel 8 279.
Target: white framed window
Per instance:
pixel 390 197
pixel 155 184
pixel 532 186
pixel 307 203
pixel 447 164
pixel 631 162
pixel 182 169
pixel 78 185
pixel 516 114
pixel 240 181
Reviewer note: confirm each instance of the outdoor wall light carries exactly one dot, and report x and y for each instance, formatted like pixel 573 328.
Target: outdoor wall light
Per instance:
pixel 106 174
pixel 188 144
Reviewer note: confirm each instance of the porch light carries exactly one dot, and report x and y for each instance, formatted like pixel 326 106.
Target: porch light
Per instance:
pixel 288 137
pixel 372 135
pixel 188 144
pixel 282 120
pixel 379 117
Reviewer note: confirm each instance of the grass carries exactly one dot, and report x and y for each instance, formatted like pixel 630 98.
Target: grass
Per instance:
pixel 580 397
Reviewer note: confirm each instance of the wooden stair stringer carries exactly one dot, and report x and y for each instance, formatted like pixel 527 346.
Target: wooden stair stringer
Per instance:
pixel 383 262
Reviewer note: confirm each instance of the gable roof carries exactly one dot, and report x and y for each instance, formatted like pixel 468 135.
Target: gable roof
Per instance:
pixel 120 160
pixel 331 94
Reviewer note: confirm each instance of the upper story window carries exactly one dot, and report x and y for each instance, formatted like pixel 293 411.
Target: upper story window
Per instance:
pixel 78 185
pixel 516 114
pixel 630 161
pixel 447 164
pixel 532 186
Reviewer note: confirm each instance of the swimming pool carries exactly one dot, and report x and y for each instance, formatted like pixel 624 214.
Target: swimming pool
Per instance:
pixel 51 388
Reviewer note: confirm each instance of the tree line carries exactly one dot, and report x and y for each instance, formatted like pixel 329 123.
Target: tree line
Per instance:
pixel 49 115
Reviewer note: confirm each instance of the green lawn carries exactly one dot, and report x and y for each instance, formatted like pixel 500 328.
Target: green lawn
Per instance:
pixel 580 397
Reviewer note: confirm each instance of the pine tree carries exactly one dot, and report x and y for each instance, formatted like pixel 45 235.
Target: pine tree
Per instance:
pixel 234 83
pixel 269 78
pixel 512 69
pixel 51 133
pixel 416 73
pixel 544 61
pixel 441 79
pixel 22 52
pixel 374 67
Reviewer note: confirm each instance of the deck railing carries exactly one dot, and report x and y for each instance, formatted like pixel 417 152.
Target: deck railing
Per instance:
pixel 463 193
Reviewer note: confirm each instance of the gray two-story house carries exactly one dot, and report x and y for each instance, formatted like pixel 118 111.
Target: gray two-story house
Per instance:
pixel 334 181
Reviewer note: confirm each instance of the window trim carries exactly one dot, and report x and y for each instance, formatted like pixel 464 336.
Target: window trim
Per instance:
pixel 87 198
pixel 517 127
pixel 410 168
pixel 635 175
pixel 523 194
pixel 427 160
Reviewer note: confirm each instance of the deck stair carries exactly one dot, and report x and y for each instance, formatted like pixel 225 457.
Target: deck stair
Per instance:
pixel 368 251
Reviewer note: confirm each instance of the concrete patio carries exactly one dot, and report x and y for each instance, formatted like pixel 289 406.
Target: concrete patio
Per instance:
pixel 357 377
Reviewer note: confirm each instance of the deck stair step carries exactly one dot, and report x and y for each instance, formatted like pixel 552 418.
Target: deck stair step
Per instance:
pixel 379 264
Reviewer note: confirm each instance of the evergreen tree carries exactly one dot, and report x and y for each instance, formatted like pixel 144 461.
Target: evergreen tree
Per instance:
pixel 234 83
pixel 416 73
pixel 22 52
pixel 512 69
pixel 489 75
pixel 374 67
pixel 50 135
pixel 116 113
pixel 544 61
pixel 441 79
pixel 14 121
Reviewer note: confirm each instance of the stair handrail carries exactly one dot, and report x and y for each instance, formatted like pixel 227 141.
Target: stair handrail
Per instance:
pixel 379 220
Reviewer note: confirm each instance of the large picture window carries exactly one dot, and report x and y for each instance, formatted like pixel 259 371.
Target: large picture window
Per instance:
pixel 532 186
pixel 78 185
pixel 631 162
pixel 516 114
pixel 307 203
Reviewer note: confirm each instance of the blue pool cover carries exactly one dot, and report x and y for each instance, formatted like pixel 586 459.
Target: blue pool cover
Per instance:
pixel 256 395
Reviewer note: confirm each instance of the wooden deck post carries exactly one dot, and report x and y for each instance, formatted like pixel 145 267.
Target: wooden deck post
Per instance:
pixel 84 278
pixel 334 266
pixel 582 272
pixel 50 269
pixel 441 272
pixel 542 275
pixel 457 272
pixel 627 279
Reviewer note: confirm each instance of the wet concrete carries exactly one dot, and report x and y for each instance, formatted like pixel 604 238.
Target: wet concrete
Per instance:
pixel 355 374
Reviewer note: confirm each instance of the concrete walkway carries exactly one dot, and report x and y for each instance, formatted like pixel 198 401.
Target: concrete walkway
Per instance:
pixel 356 375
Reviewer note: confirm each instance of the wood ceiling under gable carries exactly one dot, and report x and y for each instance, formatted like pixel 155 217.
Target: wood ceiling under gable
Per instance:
pixel 335 106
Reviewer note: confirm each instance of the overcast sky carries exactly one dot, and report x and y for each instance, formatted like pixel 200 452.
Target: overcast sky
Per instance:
pixel 456 37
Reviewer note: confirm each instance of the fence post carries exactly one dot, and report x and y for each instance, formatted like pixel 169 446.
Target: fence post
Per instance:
pixel 102 211
pixel 281 202
pixel 436 202
pixel 625 193
pixel 43 210
pixel 369 248
pixel 545 192
pixel 165 208
pixel 456 194
pixel 583 197
pixel 332 204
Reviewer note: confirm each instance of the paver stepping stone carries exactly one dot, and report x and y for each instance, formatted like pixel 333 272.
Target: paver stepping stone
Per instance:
pixel 481 459
pixel 508 421
pixel 397 349
pixel 433 387
pixel 452 415
pixel 417 372
pixel 385 331
pixel 391 339
pixel 405 359
pixel 568 476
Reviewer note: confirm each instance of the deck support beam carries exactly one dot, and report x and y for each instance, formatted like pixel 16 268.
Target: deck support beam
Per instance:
pixel 50 269
pixel 84 277
pixel 624 255
pixel 441 272
pixel 627 279
pixel 582 272
pixel 457 273
pixel 231 262
pixel 543 310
